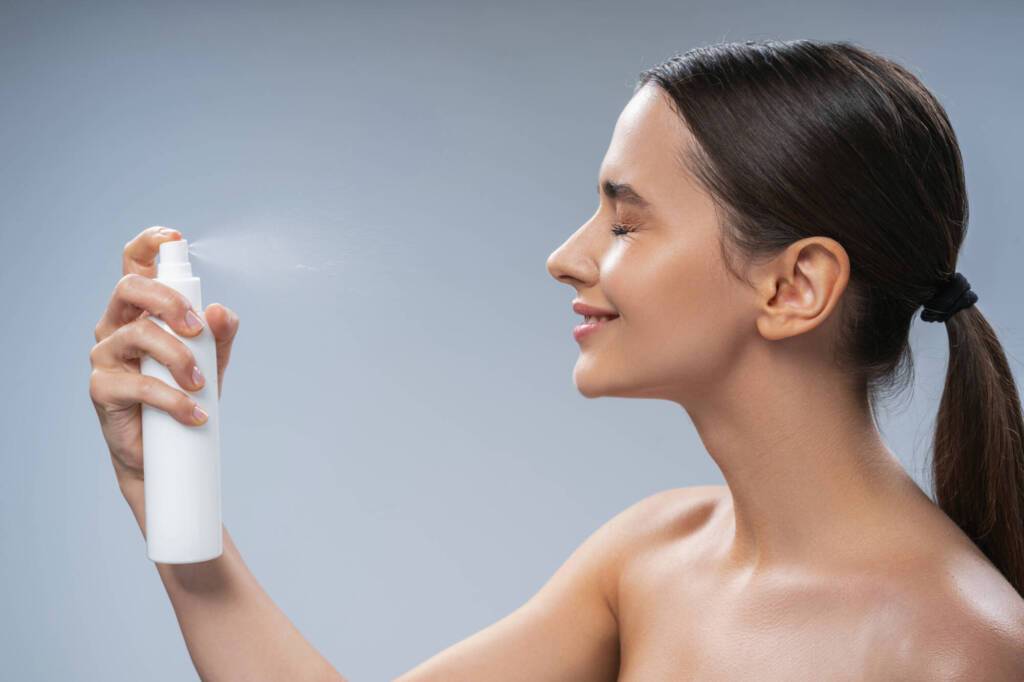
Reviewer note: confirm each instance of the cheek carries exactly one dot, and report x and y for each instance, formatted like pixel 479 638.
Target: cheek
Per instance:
pixel 680 325
pixel 676 308
pixel 662 286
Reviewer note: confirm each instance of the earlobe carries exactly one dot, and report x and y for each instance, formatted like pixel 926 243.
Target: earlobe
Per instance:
pixel 780 318
pixel 768 327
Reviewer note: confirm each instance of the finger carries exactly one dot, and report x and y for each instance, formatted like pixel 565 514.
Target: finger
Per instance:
pixel 124 389
pixel 140 253
pixel 144 337
pixel 135 294
pixel 223 322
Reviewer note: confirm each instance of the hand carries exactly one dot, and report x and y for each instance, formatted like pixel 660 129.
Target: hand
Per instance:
pixel 123 335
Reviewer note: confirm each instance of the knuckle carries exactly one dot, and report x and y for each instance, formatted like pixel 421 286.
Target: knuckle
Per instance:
pixel 144 326
pixel 136 332
pixel 126 282
pixel 96 386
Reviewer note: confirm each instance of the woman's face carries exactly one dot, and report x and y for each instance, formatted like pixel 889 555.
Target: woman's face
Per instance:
pixel 682 317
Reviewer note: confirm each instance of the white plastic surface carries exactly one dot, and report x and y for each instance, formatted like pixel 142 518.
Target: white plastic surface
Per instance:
pixel 181 463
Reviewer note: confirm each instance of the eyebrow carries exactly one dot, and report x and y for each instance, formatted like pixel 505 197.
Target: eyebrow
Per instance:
pixel 620 191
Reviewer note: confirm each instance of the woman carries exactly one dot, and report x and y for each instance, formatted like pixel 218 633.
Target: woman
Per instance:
pixel 771 216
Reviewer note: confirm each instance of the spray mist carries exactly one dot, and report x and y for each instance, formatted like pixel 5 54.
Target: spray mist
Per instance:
pixel 181 463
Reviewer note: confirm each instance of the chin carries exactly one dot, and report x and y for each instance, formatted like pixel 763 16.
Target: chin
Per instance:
pixel 588 392
pixel 591 383
pixel 587 384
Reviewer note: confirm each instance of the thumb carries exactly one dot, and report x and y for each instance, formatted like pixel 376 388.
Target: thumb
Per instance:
pixel 223 324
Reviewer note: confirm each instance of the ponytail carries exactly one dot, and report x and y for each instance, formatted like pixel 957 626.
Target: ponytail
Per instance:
pixel 978 461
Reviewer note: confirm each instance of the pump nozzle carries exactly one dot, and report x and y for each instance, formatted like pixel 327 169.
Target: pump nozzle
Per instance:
pixel 174 263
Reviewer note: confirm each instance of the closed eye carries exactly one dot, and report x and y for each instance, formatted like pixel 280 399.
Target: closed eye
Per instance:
pixel 619 230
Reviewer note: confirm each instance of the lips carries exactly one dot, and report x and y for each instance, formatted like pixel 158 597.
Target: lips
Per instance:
pixel 590 326
pixel 587 310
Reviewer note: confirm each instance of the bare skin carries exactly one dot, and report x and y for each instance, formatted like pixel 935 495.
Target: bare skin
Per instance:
pixel 821 554
pixel 820 559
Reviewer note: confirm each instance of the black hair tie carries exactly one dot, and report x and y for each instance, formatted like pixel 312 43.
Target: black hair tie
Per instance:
pixel 953 296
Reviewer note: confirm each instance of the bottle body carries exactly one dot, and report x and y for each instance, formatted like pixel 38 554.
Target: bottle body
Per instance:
pixel 181 463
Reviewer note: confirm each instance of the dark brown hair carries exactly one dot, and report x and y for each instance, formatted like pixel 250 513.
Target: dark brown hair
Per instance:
pixel 801 138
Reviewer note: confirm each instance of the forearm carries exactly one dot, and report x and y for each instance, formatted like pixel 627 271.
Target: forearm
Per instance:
pixel 232 629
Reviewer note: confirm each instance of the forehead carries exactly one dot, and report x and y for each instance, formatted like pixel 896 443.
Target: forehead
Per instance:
pixel 645 146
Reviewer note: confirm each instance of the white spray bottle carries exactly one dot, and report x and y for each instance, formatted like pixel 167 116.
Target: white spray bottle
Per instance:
pixel 181 463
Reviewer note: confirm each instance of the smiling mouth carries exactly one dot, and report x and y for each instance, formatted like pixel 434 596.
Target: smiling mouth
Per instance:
pixel 591 324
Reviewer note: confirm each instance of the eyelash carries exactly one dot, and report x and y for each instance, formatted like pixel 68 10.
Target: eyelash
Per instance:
pixel 618 230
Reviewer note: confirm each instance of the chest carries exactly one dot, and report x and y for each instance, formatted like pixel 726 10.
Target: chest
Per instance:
pixel 679 621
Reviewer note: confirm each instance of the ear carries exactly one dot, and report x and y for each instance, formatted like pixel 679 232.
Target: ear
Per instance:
pixel 801 286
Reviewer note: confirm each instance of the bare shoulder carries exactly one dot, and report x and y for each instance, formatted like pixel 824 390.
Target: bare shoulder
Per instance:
pixel 569 629
pixel 957 619
pixel 667 514
pixel 654 521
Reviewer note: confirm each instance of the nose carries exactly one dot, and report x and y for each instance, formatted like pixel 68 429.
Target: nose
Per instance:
pixel 571 264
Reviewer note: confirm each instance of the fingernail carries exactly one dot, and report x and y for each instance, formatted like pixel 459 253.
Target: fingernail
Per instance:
pixel 198 414
pixel 192 320
pixel 197 376
pixel 169 231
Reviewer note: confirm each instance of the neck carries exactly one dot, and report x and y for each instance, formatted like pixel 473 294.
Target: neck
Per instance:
pixel 807 469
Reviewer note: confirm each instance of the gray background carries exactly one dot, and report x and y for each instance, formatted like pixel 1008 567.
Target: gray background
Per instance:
pixel 375 189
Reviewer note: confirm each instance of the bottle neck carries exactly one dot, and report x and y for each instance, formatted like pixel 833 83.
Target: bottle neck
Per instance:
pixel 173 270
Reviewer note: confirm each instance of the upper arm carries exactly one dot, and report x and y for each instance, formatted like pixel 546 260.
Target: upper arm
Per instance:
pixel 567 630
